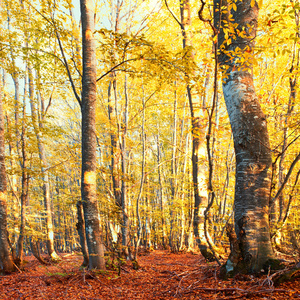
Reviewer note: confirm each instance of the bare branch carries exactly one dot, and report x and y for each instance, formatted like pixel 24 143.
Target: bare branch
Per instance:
pixel 209 21
pixel 116 66
pixel 173 15
pixel 67 67
pixel 285 179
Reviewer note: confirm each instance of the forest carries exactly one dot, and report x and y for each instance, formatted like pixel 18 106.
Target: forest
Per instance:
pixel 136 128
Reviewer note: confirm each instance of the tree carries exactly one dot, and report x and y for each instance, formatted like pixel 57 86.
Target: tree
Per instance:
pixel 198 141
pixel 198 132
pixel 88 131
pixel 6 260
pixel 38 125
pixel 236 23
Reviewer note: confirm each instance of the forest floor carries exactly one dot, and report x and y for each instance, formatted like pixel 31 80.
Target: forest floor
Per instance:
pixel 162 275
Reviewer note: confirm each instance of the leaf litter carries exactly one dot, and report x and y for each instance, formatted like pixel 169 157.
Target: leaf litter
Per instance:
pixel 162 275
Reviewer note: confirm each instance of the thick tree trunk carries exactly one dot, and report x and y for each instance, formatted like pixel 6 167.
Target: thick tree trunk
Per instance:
pixel 250 135
pixel 88 109
pixel 6 260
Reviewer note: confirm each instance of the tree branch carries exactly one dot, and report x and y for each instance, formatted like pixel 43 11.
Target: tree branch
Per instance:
pixel 116 66
pixel 285 179
pixel 173 15
pixel 209 21
pixel 67 67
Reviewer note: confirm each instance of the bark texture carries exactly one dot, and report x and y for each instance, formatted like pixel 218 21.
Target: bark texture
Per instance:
pixel 6 260
pixel 88 109
pixel 250 134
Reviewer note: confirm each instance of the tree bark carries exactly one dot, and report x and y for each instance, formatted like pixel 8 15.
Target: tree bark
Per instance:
pixel 250 134
pixel 88 109
pixel 6 260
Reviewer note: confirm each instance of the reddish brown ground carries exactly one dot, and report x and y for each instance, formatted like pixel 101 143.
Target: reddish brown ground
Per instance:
pixel 162 275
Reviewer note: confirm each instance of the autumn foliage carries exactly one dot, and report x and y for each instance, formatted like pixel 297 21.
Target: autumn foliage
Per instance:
pixel 182 123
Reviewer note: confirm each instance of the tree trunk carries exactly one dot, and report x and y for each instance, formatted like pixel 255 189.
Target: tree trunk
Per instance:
pixel 6 260
pixel 124 195
pixel 173 179
pixel 36 251
pixel 250 134
pixel 38 124
pixel 88 109
pixel 114 145
pixel 161 193
pixel 198 143
pixel 80 226
pixel 138 216
pixel 24 193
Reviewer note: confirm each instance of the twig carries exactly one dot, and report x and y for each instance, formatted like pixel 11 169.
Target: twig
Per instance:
pixel 17 268
pixel 268 281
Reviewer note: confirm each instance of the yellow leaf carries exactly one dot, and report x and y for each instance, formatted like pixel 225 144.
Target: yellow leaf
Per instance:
pixel 234 6
pixel 260 3
pixel 252 3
